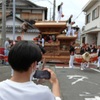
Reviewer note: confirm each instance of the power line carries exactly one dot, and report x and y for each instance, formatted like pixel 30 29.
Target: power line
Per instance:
pixel 76 10
pixel 78 15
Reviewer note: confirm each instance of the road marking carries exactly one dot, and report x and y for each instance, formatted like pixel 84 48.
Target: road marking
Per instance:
pixel 90 99
pixel 67 67
pixel 96 98
pixel 95 70
pixel 87 94
pixel 76 68
pixel 59 67
pixel 77 77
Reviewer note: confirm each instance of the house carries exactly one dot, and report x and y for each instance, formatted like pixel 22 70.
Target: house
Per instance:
pixel 31 33
pixel 91 30
pixel 25 11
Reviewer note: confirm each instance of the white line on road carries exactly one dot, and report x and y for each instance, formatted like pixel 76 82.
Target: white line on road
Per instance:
pixel 95 70
pixel 96 98
pixel 77 68
pixel 67 67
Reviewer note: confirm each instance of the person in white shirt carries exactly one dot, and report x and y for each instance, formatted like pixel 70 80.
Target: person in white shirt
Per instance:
pixel 70 30
pixel 23 58
pixel 7 47
pixel 60 12
pixel 42 41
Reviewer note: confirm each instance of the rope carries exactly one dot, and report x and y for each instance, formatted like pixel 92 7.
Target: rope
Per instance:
pixel 78 16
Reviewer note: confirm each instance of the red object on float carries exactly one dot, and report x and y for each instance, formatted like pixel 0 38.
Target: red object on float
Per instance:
pixel 62 15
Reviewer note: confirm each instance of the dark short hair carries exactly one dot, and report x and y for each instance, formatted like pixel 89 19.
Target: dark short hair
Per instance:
pixel 42 49
pixel 23 54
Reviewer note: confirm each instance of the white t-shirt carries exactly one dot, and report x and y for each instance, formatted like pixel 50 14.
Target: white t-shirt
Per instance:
pixel 42 42
pixel 6 45
pixel 10 90
pixel 60 10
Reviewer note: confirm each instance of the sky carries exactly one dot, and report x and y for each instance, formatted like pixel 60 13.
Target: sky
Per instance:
pixel 69 7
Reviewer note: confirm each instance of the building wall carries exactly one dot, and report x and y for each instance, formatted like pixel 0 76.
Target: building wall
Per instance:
pixel 9 22
pixel 91 38
pixel 98 38
pixel 95 22
pixel 31 13
pixel 27 36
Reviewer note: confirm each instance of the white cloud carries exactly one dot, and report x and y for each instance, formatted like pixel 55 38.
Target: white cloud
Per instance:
pixel 69 7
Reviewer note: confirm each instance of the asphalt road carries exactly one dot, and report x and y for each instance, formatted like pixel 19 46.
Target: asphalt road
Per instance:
pixel 79 85
pixel 4 72
pixel 74 83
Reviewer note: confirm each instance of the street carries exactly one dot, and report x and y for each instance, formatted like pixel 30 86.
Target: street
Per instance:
pixel 74 83
pixel 79 85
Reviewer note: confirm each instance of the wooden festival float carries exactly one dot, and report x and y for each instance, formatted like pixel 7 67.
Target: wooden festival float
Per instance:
pixel 57 50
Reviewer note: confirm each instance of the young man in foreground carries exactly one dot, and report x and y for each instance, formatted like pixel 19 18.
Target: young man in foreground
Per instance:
pixel 23 58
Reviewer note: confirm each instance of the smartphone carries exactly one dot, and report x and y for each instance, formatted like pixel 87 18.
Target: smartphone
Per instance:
pixel 42 74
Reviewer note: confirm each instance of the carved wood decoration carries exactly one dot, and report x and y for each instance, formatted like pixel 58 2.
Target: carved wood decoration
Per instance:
pixel 59 49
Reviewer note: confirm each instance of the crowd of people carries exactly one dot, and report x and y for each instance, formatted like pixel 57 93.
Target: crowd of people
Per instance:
pixel 85 51
pixel 91 49
pixel 24 58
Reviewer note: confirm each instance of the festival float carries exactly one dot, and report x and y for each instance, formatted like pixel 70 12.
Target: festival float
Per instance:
pixel 57 49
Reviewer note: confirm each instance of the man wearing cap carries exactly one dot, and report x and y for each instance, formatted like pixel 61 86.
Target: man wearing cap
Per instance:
pixel 86 59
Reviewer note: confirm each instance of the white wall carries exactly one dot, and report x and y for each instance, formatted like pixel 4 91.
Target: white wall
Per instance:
pixel 91 38
pixel 95 22
pixel 9 21
pixel 98 38
pixel 27 36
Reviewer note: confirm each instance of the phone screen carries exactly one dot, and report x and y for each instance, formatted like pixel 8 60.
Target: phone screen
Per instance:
pixel 42 74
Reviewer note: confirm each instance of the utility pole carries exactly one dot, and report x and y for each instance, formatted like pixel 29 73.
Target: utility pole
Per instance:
pixel 3 34
pixel 54 7
pixel 14 20
pixel 50 14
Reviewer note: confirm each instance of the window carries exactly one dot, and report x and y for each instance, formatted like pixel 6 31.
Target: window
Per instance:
pixel 88 18
pixel 95 13
pixel 83 40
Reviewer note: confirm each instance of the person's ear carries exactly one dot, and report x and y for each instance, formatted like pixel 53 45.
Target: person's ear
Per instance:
pixel 34 64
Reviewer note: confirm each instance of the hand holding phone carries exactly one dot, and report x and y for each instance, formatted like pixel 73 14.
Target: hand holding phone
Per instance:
pixel 42 74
